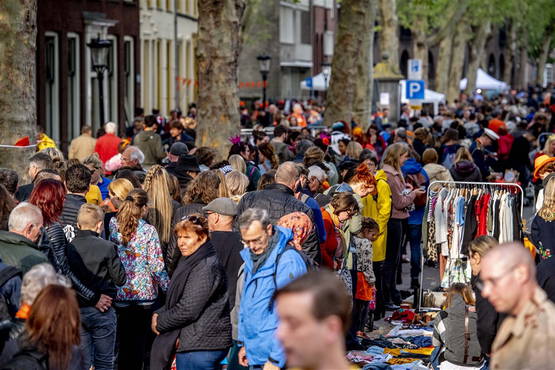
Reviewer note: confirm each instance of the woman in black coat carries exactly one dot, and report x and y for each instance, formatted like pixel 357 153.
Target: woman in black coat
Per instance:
pixel 195 320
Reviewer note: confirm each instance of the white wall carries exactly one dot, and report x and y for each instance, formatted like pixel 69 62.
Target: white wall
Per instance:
pixel 159 73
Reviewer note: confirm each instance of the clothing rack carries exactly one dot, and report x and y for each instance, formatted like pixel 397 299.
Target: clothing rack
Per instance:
pixel 457 184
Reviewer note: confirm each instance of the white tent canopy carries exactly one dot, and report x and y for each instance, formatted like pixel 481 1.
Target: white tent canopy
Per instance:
pixel 485 82
pixel 429 95
pixel 318 83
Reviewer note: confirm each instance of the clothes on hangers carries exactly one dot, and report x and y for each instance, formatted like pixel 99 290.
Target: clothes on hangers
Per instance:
pixel 457 214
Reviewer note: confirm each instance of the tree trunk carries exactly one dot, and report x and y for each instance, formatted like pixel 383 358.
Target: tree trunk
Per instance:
pixel 420 51
pixel 18 34
pixel 522 71
pixel 362 102
pixel 511 56
pixel 546 48
pixel 389 38
pixel 218 48
pixel 457 61
pixel 444 64
pixel 477 46
pixel 352 33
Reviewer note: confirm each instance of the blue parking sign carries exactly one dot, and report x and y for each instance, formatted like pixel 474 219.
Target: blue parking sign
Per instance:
pixel 415 89
pixel 308 81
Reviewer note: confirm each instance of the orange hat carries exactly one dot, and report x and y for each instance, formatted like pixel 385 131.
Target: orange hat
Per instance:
pixel 540 163
pixel 357 131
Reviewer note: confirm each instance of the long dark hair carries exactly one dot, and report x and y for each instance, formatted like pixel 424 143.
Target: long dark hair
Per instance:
pixel 130 213
pixel 53 324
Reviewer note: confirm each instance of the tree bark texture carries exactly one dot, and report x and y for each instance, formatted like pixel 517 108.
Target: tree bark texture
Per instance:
pixel 444 64
pixel 511 56
pixel 476 49
pixel 546 48
pixel 362 103
pixel 522 71
pixel 420 51
pixel 217 53
pixel 351 41
pixel 389 38
pixel 457 61
pixel 18 34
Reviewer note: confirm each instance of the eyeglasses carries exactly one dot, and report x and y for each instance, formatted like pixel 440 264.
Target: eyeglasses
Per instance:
pixel 494 281
pixel 255 242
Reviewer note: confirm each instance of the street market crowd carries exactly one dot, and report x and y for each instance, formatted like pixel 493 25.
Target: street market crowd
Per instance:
pixel 144 250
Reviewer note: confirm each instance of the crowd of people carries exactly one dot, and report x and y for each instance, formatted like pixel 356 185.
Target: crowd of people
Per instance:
pixel 150 251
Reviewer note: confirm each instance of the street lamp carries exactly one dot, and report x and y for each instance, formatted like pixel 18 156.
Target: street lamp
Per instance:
pixel 326 71
pixel 264 67
pixel 99 59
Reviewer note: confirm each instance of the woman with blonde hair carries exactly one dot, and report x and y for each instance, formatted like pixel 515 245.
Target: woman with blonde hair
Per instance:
pixel 353 151
pixel 237 163
pixel 237 184
pixel 435 171
pixel 117 192
pixel 140 252
pixel 488 319
pixel 160 213
pixel 402 198
pixel 543 225
pixel 549 147
pixel 464 168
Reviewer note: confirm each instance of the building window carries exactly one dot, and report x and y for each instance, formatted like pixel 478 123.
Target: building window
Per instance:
pixel 286 26
pixel 112 80
pixel 52 86
pixel 305 28
pixel 73 85
pixel 129 85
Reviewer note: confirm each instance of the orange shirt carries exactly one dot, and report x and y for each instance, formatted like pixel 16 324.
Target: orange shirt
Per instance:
pixel 495 124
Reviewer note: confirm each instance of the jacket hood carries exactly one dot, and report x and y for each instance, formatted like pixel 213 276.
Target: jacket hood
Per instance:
pixel 411 167
pixel 380 175
pixel 464 167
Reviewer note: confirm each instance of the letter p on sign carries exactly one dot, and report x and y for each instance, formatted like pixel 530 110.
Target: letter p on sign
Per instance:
pixel 415 90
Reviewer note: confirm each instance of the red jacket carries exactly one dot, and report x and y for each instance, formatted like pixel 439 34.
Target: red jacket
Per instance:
pixel 107 146
pixel 329 246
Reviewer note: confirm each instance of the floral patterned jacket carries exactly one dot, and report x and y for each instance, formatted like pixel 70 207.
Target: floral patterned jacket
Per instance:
pixel 143 263
pixel 363 252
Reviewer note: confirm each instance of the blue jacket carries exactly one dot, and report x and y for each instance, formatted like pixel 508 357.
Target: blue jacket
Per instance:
pixel 258 318
pixel 411 167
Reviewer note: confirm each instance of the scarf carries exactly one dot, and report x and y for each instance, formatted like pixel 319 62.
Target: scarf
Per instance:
pixel 300 224
pixel 258 260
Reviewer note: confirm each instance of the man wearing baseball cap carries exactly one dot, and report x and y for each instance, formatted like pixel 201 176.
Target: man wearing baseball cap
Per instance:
pixel 221 213
pixel 483 158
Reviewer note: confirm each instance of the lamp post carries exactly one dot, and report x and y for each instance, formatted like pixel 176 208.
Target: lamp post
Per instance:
pixel 99 58
pixel 326 71
pixel 264 67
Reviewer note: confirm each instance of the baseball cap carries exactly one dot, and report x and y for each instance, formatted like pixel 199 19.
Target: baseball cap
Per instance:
pixel 179 148
pixel 221 206
pixel 491 134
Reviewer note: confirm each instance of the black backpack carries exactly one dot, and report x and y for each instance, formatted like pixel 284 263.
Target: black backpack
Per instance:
pixel 6 274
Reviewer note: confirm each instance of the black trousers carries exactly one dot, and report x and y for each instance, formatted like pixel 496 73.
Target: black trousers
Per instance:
pixel 395 234
pixel 378 272
pixel 133 336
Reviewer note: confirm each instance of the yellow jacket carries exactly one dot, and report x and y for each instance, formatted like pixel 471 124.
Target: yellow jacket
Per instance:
pixel 379 208
pixel 45 142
